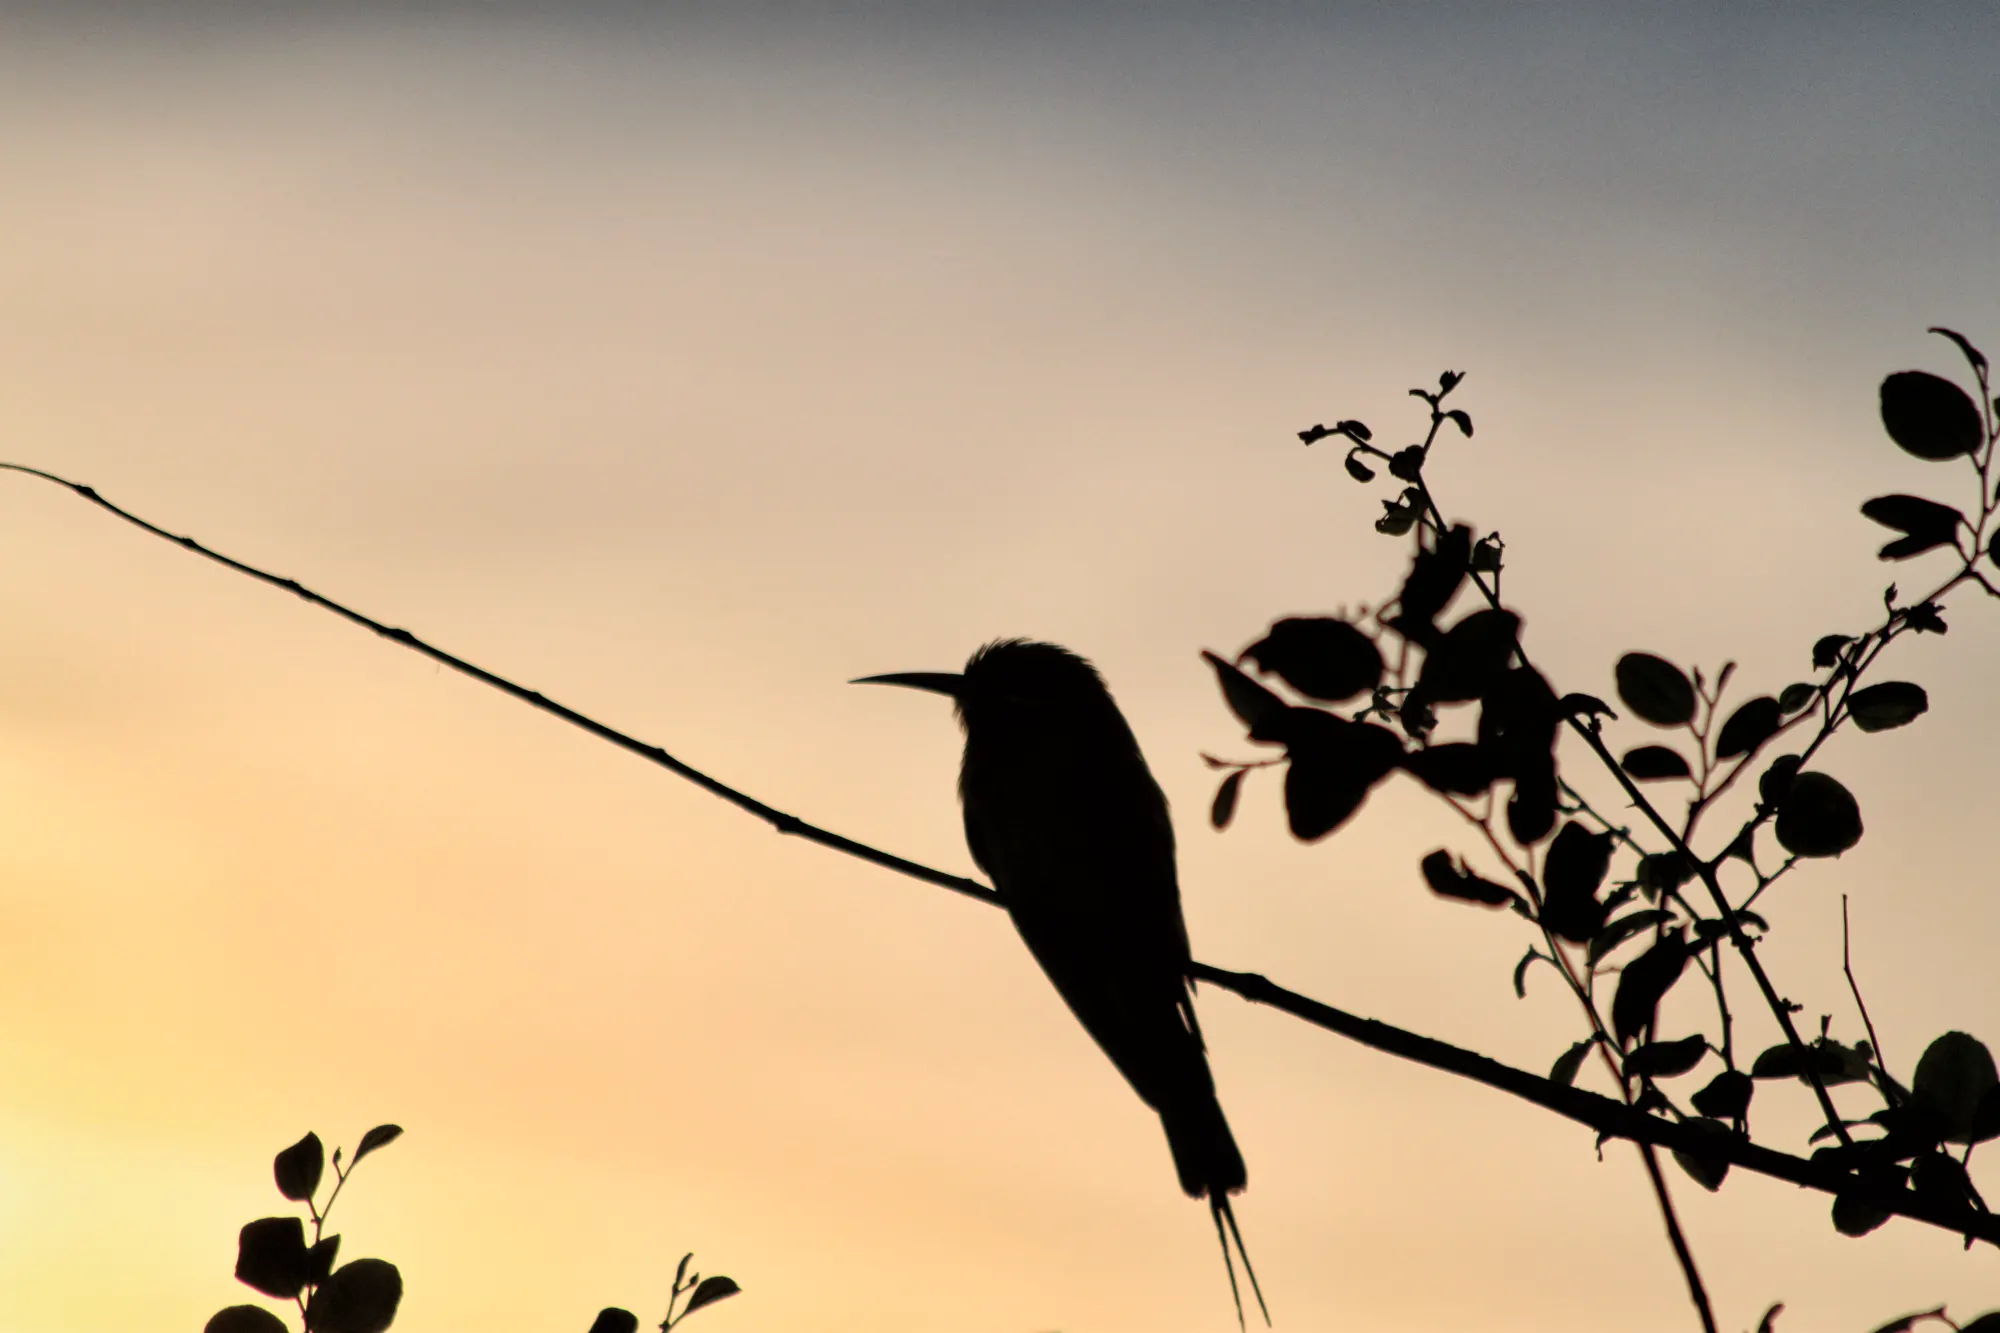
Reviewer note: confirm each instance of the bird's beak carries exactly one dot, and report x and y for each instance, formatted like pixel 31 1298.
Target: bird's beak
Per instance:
pixel 937 682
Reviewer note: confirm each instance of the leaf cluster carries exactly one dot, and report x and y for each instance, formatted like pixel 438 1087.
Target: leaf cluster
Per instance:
pixel 1452 699
pixel 274 1257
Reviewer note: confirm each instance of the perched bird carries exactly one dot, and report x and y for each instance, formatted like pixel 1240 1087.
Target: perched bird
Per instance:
pixel 1062 812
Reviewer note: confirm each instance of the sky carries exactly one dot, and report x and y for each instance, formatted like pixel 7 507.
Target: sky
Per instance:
pixel 687 362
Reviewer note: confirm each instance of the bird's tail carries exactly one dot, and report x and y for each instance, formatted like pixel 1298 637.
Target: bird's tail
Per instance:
pixel 1209 1163
pixel 1205 1152
pixel 1219 1209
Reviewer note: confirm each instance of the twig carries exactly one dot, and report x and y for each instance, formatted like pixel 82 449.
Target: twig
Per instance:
pixel 777 819
pixel 1696 1291
pixel 1874 1042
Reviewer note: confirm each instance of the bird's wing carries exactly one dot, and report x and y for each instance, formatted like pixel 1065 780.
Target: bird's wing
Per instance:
pixel 1091 887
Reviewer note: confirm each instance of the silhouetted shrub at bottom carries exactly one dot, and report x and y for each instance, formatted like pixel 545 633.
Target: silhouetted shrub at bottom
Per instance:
pixel 273 1255
pixel 362 1296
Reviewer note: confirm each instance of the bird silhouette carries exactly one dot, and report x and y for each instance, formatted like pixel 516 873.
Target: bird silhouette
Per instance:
pixel 1064 816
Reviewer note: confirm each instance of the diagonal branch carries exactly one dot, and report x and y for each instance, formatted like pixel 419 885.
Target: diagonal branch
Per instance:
pixel 777 819
pixel 1609 1118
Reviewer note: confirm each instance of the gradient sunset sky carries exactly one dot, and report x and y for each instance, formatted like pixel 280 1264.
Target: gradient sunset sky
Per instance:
pixel 685 362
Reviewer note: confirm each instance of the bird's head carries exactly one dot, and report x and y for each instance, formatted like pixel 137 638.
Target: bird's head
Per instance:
pixel 1018 683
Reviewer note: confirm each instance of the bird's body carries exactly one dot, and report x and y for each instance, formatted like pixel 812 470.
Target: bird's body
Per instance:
pixel 1064 816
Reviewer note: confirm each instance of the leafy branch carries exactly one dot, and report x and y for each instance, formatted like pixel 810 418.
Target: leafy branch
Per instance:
pixel 1332 762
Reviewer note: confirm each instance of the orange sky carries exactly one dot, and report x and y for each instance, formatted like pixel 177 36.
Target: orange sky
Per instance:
pixel 686 370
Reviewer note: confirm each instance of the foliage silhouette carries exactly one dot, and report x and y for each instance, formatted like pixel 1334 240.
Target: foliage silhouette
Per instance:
pixel 698 1291
pixel 273 1256
pixel 1953 1096
pixel 1332 762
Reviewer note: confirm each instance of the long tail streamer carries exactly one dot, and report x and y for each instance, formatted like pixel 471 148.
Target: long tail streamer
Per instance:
pixel 1219 1209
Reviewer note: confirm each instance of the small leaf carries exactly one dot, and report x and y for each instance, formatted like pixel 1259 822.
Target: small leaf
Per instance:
pixel 1521 972
pixel 1359 470
pixel 1623 929
pixel 1940 1178
pixel 1707 1171
pixel 1462 421
pixel 1890 704
pixel 1224 809
pixel 244 1319
pixel 1517 725
pixel 1434 579
pixel 611 1319
pixel 1456 769
pixel 1926 618
pixel 1355 430
pixel 1830 1060
pixel 1654 763
pixel 1407 464
pixel 379 1137
pixel 320 1258
pixel 1570 1061
pixel 1827 649
pixel 1927 523
pixel 1972 354
pixel 360 1297
pixel 1661 871
pixel 1929 416
pixel 711 1290
pixel 1584 705
pixel 1727 1095
pixel 1844 1064
pixel 1319 798
pixel 1574 868
pixel 1753 723
pixel 1655 689
pixel 1252 703
pixel 1531 810
pixel 1666 1059
pixel 1851 1217
pixel 1781 1061
pixel 1986 1323
pixel 1776 780
pixel 271 1256
pixel 1334 765
pixel 1986 1117
pixel 1955 1074
pixel 298 1168
pixel 1470 658
pixel 1320 657
pixel 1643 983
pixel 1795 697
pixel 1769 1323
pixel 1818 817
pixel 1397 518
pixel 1450 881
